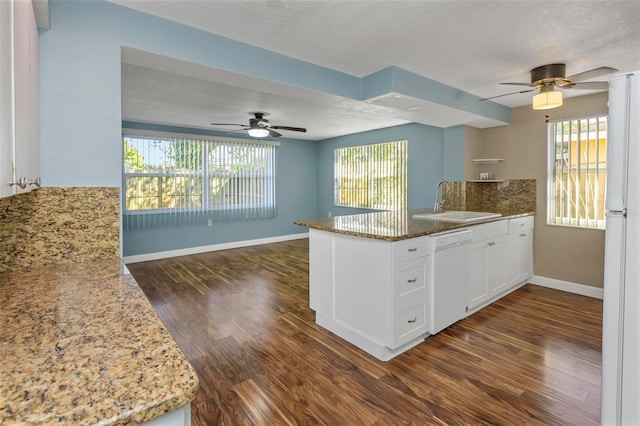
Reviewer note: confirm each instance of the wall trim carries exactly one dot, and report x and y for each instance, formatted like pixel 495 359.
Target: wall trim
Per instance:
pixel 215 247
pixel 584 290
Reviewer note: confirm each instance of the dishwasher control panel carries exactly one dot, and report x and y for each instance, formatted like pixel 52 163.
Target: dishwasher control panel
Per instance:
pixel 439 242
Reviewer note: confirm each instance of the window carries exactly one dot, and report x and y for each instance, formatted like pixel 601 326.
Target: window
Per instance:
pixel 372 176
pixel 172 180
pixel 577 172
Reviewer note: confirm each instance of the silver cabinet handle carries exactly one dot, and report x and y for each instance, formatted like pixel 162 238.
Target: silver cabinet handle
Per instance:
pixel 413 280
pixel 23 182
pixel 413 249
pixel 413 320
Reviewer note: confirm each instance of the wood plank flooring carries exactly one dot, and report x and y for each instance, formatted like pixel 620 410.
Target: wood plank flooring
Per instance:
pixel 242 319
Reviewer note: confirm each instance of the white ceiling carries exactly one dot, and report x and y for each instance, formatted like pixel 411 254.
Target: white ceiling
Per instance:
pixel 470 45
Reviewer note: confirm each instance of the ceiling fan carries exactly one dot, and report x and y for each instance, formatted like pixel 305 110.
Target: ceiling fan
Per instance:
pixel 548 77
pixel 259 127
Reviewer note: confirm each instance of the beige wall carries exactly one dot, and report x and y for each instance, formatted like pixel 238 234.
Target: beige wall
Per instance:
pixel 562 253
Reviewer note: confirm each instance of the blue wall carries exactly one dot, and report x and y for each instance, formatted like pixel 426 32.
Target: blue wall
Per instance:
pixel 295 199
pixel 425 163
pixel 80 99
pixel 81 122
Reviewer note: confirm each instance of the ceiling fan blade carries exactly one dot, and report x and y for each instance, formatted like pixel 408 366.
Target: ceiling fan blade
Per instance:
pixel 274 134
pixel 227 124
pixel 293 129
pixel 237 130
pixel 507 94
pixel 518 84
pixel 587 75
pixel 589 85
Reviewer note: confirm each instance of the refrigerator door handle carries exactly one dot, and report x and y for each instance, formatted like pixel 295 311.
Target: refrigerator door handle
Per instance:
pixel 616 213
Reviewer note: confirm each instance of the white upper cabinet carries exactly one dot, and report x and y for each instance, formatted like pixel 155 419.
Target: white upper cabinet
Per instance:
pixel 6 98
pixel 19 97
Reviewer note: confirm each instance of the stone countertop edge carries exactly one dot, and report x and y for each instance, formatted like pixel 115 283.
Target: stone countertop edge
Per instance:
pixel 82 345
pixel 396 225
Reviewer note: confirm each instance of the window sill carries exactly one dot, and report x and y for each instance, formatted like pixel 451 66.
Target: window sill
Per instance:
pixel 561 225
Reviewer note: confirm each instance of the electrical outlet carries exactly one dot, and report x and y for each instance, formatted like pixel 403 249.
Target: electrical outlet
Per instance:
pixel 210 222
pixel 330 214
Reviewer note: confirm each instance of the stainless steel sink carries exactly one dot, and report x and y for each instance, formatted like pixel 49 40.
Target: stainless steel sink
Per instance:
pixel 457 216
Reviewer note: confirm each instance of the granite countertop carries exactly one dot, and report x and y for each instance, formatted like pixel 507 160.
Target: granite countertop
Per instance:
pixel 394 225
pixel 81 345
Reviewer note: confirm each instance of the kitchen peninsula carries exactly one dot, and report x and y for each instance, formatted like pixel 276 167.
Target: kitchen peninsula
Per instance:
pixel 376 281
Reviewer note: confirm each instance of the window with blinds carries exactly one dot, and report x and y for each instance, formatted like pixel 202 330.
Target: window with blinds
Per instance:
pixel 187 179
pixel 372 176
pixel 577 172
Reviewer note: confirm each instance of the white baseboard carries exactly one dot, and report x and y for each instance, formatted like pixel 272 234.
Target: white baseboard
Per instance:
pixel 215 247
pixel 584 290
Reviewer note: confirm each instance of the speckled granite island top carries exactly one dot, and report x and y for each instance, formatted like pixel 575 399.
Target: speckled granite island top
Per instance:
pixel 394 225
pixel 81 345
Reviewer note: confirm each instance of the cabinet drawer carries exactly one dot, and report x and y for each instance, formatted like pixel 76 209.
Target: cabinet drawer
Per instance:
pixel 488 230
pixel 409 281
pixel 520 224
pixel 409 323
pixel 412 248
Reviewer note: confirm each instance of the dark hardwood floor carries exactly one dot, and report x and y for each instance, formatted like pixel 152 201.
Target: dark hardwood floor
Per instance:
pixel 242 319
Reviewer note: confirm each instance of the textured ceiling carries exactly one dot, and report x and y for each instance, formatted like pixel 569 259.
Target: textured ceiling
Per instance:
pixel 470 45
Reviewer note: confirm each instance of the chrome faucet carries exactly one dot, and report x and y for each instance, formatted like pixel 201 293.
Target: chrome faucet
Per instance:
pixel 439 204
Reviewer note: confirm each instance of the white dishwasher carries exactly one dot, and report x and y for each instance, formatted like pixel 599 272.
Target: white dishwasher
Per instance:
pixel 451 274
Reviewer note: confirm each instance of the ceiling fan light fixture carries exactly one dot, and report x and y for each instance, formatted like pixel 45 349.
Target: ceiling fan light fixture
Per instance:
pixel 259 133
pixel 547 100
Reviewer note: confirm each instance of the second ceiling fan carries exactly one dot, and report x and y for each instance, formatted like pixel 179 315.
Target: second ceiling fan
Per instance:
pixel 260 127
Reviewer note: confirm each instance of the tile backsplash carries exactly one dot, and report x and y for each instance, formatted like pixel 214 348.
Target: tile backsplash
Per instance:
pixel 55 225
pixel 515 194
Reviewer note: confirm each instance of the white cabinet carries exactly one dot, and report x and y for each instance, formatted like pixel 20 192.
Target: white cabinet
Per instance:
pixel 497 265
pixel 19 96
pixel 501 258
pixel 370 292
pixel 6 97
pixel 409 307
pixel 479 283
pixel 380 295
pixel 520 250
pixel 178 417
pixel 488 260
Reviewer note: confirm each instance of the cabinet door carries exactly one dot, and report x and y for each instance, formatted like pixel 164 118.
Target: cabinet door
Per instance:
pixel 18 95
pixel 496 265
pixel 6 99
pixel 478 284
pixel 25 93
pixel 520 258
pixel 526 255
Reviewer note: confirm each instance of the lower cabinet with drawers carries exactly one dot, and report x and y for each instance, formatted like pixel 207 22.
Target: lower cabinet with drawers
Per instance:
pixel 376 294
pixel 370 292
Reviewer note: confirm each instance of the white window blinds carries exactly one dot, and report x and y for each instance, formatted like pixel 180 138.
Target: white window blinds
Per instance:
pixel 172 181
pixel 577 172
pixel 372 176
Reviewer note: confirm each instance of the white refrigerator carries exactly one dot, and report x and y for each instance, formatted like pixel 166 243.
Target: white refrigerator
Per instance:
pixel 620 400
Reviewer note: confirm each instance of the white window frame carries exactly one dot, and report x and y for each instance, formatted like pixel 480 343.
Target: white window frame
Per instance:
pixel 575 175
pixel 370 170
pixel 204 175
